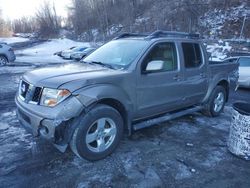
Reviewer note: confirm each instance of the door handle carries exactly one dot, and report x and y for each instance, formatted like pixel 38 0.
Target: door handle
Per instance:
pixel 203 75
pixel 177 78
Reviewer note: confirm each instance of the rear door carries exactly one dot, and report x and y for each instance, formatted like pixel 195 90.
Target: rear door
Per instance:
pixel 159 91
pixel 195 72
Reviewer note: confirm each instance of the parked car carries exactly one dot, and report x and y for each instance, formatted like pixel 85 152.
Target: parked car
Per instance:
pixel 132 82
pixel 244 70
pixel 6 54
pixel 66 54
pixel 81 54
pixel 60 52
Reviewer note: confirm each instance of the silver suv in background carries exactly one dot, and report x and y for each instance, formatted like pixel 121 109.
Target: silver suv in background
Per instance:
pixel 6 54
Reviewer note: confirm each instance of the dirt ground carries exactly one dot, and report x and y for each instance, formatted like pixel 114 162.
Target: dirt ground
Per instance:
pixel 187 152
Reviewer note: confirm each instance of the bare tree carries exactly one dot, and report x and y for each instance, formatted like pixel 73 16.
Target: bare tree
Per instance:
pixel 47 20
pixel 24 25
pixel 5 26
pixel 111 16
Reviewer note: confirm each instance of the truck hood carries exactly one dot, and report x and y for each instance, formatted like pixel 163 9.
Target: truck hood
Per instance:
pixel 56 76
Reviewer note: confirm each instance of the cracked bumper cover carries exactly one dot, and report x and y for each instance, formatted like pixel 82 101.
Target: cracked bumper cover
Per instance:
pixel 43 121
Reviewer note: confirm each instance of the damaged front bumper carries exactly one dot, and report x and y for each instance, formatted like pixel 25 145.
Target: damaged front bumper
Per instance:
pixel 46 121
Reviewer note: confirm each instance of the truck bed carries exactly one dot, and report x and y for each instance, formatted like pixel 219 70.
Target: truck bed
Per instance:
pixel 225 69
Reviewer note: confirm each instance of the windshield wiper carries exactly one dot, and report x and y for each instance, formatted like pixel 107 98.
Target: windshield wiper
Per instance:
pixel 103 64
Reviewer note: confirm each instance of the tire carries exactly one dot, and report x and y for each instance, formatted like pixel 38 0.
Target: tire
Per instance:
pixel 3 60
pixel 216 102
pixel 98 133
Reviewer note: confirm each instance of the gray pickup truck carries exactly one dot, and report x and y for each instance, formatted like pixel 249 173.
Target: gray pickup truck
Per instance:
pixel 131 82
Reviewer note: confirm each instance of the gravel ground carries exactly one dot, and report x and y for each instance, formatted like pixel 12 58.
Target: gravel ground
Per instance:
pixel 187 152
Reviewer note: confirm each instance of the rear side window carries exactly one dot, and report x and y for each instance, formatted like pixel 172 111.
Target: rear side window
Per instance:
pixel 192 55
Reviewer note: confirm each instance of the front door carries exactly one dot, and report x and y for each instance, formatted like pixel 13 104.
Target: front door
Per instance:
pixel 159 91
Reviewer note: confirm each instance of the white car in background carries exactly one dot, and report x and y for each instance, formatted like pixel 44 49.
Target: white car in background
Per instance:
pixel 6 54
pixel 244 70
pixel 79 55
pixel 66 54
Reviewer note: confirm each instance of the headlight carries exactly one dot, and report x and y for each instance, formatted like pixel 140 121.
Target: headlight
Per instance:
pixel 52 97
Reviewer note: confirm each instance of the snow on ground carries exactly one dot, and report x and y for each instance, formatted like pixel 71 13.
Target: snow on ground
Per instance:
pixel 44 53
pixel 11 40
pixel 219 51
pixel 17 68
pixel 215 19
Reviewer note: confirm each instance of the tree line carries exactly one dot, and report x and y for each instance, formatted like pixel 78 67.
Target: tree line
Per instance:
pixel 103 19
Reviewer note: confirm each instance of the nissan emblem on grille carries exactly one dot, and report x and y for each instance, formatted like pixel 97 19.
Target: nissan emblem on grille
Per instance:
pixel 23 88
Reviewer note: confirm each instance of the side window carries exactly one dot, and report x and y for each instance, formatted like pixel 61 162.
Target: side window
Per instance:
pixel 192 55
pixel 165 52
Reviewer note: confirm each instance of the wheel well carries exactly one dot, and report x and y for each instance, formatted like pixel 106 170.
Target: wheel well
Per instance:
pixel 119 107
pixel 225 84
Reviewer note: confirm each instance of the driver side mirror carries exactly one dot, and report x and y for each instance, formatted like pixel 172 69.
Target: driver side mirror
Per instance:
pixel 154 66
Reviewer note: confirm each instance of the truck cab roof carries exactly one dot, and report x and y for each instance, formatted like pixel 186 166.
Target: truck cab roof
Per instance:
pixel 159 34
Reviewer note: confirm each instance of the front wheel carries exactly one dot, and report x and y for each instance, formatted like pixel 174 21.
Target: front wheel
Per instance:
pixel 3 61
pixel 98 133
pixel 216 102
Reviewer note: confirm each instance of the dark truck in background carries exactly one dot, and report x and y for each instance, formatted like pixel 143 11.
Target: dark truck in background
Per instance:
pixel 132 82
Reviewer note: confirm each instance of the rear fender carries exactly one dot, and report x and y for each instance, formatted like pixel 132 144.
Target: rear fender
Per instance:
pixel 213 83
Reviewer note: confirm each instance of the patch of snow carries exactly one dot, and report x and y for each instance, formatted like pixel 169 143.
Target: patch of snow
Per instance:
pixel 114 29
pixel 183 172
pixel 15 70
pixel 193 170
pixel 219 51
pixel 214 20
pixel 3 126
pixel 141 20
pixel 189 144
pixel 11 40
pixel 44 53
pixel 152 179
pixel 213 159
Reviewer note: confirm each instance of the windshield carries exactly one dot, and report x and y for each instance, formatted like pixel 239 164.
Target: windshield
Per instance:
pixel 117 53
pixel 244 62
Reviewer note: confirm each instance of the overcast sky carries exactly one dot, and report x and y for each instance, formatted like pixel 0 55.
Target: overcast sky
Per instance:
pixel 13 9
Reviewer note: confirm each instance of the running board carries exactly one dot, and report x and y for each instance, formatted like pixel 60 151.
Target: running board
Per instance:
pixel 166 117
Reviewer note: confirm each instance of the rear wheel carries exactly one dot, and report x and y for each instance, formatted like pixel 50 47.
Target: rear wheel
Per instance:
pixel 216 102
pixel 98 133
pixel 3 60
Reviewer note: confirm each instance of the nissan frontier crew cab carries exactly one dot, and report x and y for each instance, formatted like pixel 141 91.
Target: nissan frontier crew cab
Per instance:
pixel 131 82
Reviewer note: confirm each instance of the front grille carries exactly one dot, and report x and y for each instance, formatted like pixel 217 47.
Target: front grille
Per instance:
pixel 29 93
pixel 37 94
